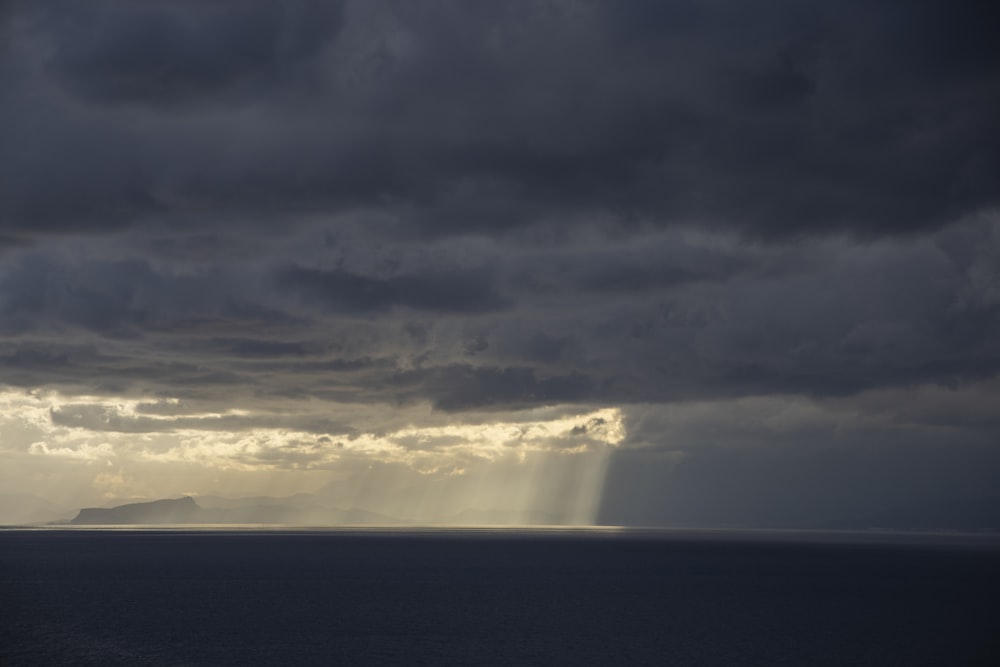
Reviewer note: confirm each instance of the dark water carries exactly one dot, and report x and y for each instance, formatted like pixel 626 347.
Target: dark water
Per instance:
pixel 505 598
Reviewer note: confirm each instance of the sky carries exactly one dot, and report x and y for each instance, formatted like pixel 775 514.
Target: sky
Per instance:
pixel 644 263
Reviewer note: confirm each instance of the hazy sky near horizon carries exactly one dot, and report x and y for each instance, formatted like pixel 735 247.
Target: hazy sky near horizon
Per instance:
pixel 637 262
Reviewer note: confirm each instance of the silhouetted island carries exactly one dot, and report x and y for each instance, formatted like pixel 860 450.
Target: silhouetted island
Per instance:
pixel 181 510
pixel 187 511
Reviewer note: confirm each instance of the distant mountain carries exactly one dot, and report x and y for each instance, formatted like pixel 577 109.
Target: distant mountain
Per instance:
pixel 181 510
pixel 187 511
pixel 220 502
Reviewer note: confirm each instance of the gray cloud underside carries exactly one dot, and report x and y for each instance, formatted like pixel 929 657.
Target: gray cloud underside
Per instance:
pixel 705 316
pixel 779 119
pixel 493 206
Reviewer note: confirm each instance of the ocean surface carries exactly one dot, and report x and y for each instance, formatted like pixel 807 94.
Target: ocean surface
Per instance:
pixel 495 597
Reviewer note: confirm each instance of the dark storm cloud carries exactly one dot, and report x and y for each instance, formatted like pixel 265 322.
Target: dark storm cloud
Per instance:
pixel 36 358
pixel 11 242
pixel 462 387
pixel 778 118
pixel 86 369
pixel 498 205
pixel 197 248
pixel 122 298
pixel 467 292
pixel 162 54
pixel 821 318
pixel 251 348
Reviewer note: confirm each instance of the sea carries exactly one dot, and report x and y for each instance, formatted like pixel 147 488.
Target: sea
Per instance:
pixel 259 596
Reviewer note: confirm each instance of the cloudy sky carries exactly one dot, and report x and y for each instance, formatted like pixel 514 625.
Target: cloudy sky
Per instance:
pixel 643 262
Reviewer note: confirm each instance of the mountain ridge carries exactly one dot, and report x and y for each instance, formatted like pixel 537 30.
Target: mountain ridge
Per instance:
pixel 179 510
pixel 186 510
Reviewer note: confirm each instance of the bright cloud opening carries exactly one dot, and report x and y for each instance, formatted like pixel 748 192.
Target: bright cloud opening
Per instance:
pixel 538 467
